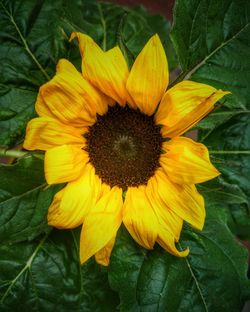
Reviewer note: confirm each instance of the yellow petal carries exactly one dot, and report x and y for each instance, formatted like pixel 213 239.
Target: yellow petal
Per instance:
pixel 102 256
pixel 70 98
pixel 148 78
pixel 183 200
pixel 69 208
pixel 139 217
pixel 166 240
pixel 95 100
pixel 108 71
pixel 44 132
pixel 105 189
pixel 116 57
pixel 184 105
pixel 41 107
pixel 186 161
pixel 167 219
pixel 64 163
pixel 101 224
pixel 54 208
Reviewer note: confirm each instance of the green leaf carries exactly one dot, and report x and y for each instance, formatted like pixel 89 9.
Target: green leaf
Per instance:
pixel 6 114
pixel 212 42
pixel 158 281
pixel 215 119
pixel 31 42
pixel 218 191
pixel 24 200
pixel 227 202
pixel 240 221
pixel 45 275
pixel 230 144
pixel 25 174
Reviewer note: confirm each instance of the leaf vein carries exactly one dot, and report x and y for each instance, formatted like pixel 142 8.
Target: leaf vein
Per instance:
pixel 201 63
pixel 25 44
pixel 26 267
pixel 196 282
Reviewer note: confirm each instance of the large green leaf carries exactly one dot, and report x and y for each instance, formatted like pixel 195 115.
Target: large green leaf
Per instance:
pixel 230 146
pixel 24 200
pixel 45 275
pixel 212 278
pixel 213 43
pixel 231 141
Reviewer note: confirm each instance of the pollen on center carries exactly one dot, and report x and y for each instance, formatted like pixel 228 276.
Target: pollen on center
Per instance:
pixel 124 146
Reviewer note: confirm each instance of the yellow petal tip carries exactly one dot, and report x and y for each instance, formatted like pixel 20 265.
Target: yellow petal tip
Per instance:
pixel 155 41
pixel 222 93
pixel 184 253
pixel 103 262
pixel 83 256
pixel 72 36
pixel 216 173
pixel 226 92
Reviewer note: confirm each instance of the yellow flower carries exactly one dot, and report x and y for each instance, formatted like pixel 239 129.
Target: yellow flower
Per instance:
pixel 110 132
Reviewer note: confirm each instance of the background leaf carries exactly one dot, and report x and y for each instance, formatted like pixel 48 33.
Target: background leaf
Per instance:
pixel 31 42
pixel 24 200
pixel 45 275
pixel 212 41
pixel 232 138
pixel 158 281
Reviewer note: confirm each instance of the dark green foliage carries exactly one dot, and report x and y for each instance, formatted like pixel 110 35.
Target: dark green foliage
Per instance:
pixel 158 281
pixel 45 275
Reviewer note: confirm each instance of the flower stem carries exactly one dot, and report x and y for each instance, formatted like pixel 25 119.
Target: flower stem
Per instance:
pixel 230 152
pixel 4 152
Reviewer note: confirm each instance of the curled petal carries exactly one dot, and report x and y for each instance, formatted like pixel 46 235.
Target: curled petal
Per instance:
pixel 184 105
pixel 184 200
pixel 45 132
pixel 186 161
pixel 108 71
pixel 71 99
pixel 103 256
pixel 166 240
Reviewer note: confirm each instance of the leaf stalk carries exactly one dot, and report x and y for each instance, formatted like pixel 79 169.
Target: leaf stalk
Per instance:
pixel 4 152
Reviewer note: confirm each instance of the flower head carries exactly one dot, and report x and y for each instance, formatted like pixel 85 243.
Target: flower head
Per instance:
pixel 112 133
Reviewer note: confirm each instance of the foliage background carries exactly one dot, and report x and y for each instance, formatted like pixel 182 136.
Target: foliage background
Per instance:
pixel 39 266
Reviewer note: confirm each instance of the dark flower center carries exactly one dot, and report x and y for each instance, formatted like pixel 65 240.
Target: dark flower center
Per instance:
pixel 124 146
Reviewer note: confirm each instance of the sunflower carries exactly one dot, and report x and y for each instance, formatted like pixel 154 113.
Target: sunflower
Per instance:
pixel 114 136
